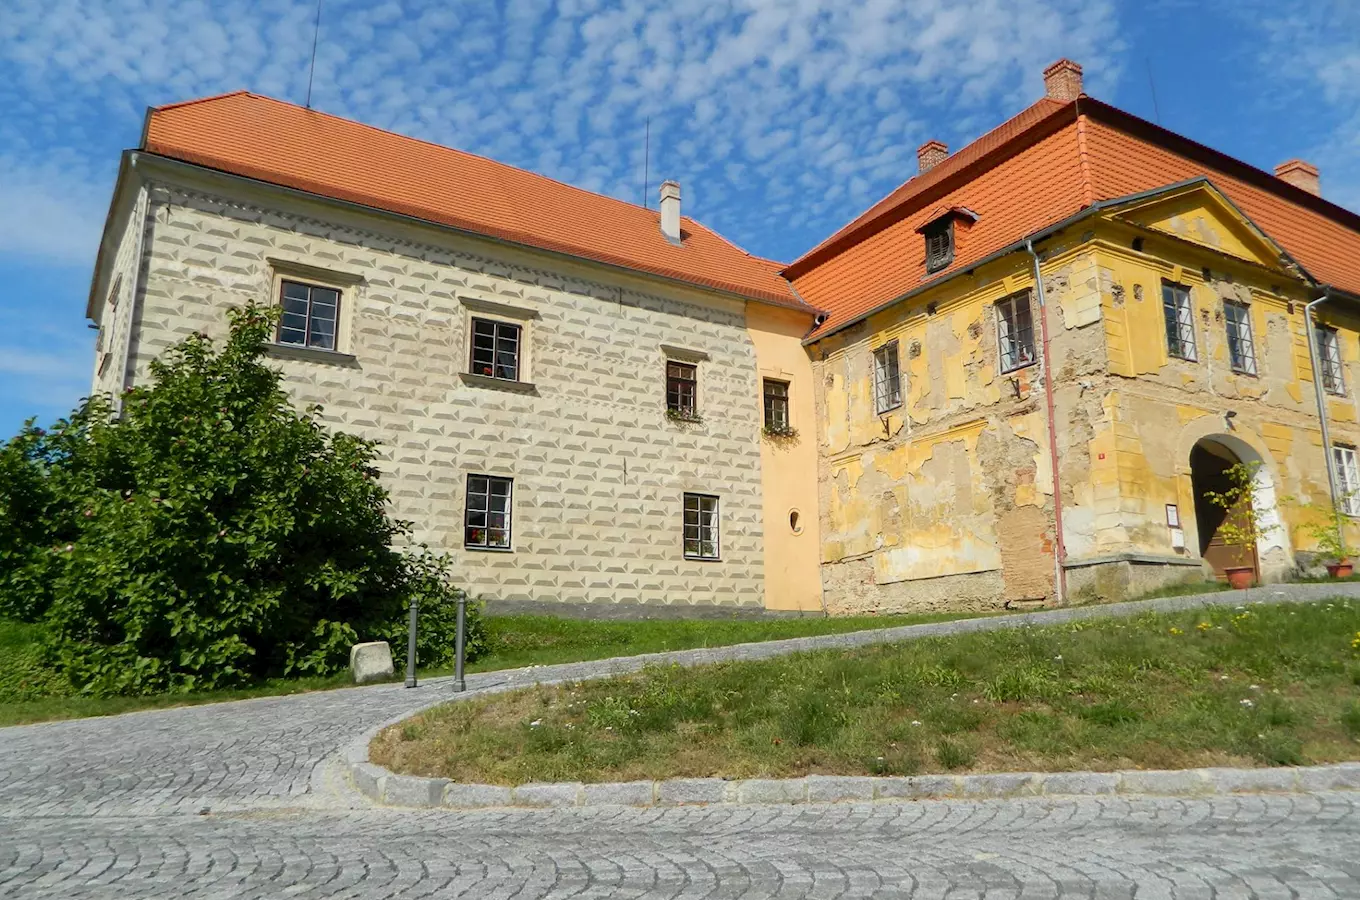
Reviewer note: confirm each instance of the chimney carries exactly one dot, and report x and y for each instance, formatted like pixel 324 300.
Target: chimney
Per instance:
pixel 670 210
pixel 1062 81
pixel 931 154
pixel 1300 174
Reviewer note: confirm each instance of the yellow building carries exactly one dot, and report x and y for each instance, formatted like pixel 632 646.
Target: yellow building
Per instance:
pixel 987 437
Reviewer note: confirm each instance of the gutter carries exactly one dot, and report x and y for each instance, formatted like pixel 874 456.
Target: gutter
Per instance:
pixel 1060 548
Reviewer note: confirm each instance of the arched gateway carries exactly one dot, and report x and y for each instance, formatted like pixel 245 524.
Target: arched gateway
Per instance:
pixel 1211 458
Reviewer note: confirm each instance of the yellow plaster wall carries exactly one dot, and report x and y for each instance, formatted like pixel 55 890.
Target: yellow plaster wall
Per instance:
pixel 788 466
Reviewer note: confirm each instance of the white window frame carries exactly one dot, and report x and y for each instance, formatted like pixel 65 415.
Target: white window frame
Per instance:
pixel 701 530
pixel 285 282
pixel 472 507
pixel 1014 340
pixel 1347 478
pixel 497 325
pixel 887 375
pixel 1330 366
pixel 1237 324
pixel 347 284
pixel 1177 301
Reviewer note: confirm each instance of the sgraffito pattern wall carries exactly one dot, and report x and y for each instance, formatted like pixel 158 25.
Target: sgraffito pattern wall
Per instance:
pixel 599 470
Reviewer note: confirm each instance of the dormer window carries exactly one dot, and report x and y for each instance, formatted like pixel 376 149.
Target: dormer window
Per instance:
pixel 939 245
pixel 940 232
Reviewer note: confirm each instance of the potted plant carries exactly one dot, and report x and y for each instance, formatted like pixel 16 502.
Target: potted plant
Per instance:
pixel 1329 536
pixel 1242 526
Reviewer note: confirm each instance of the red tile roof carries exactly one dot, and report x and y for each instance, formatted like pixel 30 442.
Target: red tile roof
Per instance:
pixel 281 143
pixel 1039 168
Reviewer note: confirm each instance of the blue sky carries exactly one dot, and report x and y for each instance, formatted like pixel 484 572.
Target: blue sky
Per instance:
pixel 781 118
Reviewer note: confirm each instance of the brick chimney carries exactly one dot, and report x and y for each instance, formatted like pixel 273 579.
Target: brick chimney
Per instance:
pixel 670 210
pixel 1062 81
pixel 1300 174
pixel 931 154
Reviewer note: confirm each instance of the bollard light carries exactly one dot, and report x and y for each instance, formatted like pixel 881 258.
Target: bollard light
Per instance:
pixel 411 646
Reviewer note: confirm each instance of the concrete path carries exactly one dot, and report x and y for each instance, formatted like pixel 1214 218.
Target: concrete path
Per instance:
pixel 241 799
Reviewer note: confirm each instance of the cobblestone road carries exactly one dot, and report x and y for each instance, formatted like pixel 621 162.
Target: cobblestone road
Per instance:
pixel 239 800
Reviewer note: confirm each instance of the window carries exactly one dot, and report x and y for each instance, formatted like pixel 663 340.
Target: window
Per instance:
pixel 887 378
pixel 1329 359
pixel 939 246
pixel 487 522
pixel 495 349
pixel 682 389
pixel 1241 349
pixel 1180 322
pixel 1347 479
pixel 701 526
pixel 309 315
pixel 1015 332
pixel 776 406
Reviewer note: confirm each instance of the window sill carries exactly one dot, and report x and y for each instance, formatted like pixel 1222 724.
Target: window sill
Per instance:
pixel 489 549
pixel 1244 373
pixel 312 354
pixel 689 558
pixel 498 384
pixel 1020 368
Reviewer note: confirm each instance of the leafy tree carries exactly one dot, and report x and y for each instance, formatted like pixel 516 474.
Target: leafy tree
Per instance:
pixel 208 535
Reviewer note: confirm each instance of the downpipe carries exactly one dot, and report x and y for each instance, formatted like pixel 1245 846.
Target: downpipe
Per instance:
pixel 1321 398
pixel 1060 554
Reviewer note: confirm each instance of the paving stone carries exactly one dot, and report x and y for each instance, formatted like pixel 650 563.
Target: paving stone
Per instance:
pixel 1170 782
pixel 473 796
pixel 408 790
pixel 563 793
pixel 682 791
pixel 775 790
pixel 620 793
pixel 839 788
pixel 1080 783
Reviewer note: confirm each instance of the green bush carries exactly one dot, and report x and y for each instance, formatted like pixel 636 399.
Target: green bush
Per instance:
pixel 209 534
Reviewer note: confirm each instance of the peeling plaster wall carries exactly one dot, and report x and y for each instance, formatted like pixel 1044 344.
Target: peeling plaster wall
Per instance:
pixel 946 501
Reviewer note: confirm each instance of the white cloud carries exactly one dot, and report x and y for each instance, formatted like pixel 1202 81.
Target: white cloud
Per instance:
pixel 744 95
pixel 51 210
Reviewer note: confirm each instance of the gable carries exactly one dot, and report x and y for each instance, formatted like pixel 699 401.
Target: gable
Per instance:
pixel 1200 214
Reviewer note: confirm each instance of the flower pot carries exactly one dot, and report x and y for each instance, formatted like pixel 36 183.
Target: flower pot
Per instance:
pixel 1240 577
pixel 1340 569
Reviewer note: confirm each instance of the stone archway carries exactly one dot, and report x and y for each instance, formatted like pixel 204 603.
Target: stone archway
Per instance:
pixel 1208 460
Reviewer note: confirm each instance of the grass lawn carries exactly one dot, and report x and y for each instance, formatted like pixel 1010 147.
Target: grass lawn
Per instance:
pixel 31 692
pixel 1267 685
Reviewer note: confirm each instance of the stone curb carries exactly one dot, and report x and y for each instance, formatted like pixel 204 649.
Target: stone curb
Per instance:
pixel 378 784
pixel 390 789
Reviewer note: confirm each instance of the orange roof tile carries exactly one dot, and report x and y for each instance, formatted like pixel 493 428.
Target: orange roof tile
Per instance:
pixel 1039 168
pixel 284 144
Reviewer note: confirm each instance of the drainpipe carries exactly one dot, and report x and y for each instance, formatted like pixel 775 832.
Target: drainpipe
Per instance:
pixel 1060 557
pixel 1322 408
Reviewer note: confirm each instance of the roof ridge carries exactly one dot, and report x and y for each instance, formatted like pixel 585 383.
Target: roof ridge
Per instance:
pixel 182 103
pixel 429 143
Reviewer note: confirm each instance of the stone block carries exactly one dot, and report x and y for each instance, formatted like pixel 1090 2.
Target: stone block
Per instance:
pixel 1004 784
pixel 772 790
pixel 916 787
pixel 368 779
pixel 1232 781
pixel 1169 782
pixel 619 793
pixel 839 789
pixel 684 791
pixel 370 662
pixel 410 790
pixel 547 794
pixel 476 796
pixel 1342 777
pixel 1080 783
